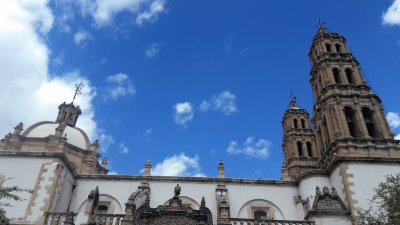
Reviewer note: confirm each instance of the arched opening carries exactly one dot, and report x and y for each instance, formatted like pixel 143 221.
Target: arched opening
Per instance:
pixel 338 48
pixel 336 75
pixel 349 75
pixel 300 148
pixel 260 215
pixel 328 47
pixel 303 124
pixel 309 150
pixel 369 122
pixel 295 123
pixel 349 113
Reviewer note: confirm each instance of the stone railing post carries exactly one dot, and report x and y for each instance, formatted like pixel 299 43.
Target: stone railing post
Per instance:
pixel 69 219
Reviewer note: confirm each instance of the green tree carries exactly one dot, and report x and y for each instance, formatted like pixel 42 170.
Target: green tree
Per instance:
pixel 8 193
pixel 384 208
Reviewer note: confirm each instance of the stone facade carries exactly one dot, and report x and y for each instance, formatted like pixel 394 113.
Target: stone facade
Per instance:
pixel 346 138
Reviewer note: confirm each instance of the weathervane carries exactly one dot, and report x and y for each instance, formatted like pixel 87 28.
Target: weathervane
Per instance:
pixel 78 90
pixel 321 25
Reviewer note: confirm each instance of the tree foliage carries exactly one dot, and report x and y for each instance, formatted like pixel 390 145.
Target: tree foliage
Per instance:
pixel 384 207
pixel 7 194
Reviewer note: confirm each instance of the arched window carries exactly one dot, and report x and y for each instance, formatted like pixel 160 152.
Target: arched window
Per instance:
pixel 260 215
pixel 328 47
pixel 336 75
pixel 309 149
pixel 300 148
pixel 303 124
pixel 349 113
pixel 349 75
pixel 295 123
pixel 338 48
pixel 369 123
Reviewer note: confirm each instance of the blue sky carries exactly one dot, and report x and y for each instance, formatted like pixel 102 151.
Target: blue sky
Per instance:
pixel 185 83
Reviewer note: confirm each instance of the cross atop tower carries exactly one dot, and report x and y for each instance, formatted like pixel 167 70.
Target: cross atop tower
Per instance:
pixel 78 90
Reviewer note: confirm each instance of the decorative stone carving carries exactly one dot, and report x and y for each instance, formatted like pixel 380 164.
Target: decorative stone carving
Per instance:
pixel 327 203
pixel 93 201
pixel 173 213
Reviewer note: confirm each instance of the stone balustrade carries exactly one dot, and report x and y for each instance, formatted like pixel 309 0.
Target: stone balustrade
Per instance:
pixel 240 221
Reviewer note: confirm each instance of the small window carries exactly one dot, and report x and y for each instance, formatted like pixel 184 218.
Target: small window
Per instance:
pixel 349 75
pixel 338 48
pixel 328 47
pixel 336 75
pixel 300 148
pixel 349 113
pixel 295 123
pixel 303 124
pixel 260 215
pixel 102 209
pixel 309 149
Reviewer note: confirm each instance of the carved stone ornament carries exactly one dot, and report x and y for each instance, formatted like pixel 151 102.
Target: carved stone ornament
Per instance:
pixel 327 203
pixel 173 213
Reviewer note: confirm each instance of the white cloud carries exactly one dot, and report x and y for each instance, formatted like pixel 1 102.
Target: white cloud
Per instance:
pixel 59 59
pixel 106 140
pixel 393 119
pixel 152 50
pixel 178 165
pixel 146 136
pixel 256 149
pixel 112 173
pixel 119 85
pixel 104 11
pixel 228 44
pixel 29 93
pixel 183 113
pixel 223 102
pixel 123 148
pixel 392 15
pixel 151 14
pixel 82 37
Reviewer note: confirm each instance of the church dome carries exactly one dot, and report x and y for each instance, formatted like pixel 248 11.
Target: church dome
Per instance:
pixel 75 136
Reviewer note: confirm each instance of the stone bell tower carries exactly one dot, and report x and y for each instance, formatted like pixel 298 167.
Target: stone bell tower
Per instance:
pixel 299 145
pixel 348 117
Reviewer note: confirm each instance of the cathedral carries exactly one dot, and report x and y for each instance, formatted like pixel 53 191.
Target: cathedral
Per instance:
pixel 332 160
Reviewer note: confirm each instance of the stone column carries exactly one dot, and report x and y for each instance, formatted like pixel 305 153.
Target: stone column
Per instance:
pixel 361 121
pixel 380 121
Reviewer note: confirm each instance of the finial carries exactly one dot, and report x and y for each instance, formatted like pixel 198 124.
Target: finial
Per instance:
pixel 203 202
pixel 147 168
pixel 221 170
pixel 78 90
pixel 293 100
pixel 19 128
pixel 104 163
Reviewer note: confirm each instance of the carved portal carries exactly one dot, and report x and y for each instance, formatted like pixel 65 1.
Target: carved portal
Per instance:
pixel 327 202
pixel 175 213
